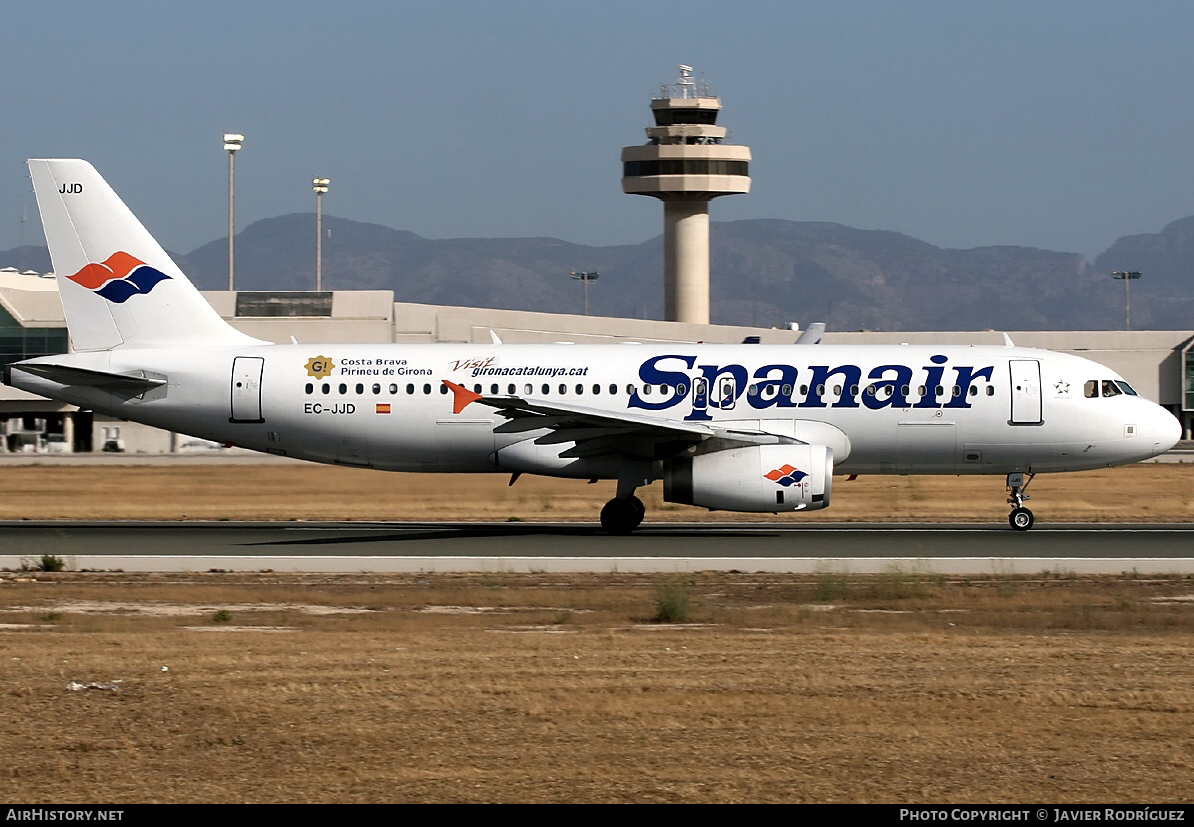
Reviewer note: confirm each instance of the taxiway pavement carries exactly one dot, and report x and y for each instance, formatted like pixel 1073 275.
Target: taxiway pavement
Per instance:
pixel 518 546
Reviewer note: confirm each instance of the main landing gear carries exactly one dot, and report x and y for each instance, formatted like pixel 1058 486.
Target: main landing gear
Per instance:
pixel 625 512
pixel 622 515
pixel 1021 519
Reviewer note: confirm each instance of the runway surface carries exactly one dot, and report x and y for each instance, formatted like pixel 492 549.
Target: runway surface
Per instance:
pixel 414 547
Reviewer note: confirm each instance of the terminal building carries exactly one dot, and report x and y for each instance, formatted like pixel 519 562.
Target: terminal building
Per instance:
pixel 1158 363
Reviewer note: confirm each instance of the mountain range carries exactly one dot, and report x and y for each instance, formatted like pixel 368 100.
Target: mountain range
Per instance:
pixel 764 272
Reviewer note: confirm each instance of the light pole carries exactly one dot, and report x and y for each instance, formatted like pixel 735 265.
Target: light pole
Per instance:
pixel 1127 278
pixel 320 186
pixel 232 142
pixel 585 278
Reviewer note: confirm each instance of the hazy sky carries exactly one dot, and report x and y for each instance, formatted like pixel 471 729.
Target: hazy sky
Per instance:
pixel 1051 124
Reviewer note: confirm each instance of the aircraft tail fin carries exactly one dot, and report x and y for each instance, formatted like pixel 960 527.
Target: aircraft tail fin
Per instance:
pixel 812 336
pixel 118 286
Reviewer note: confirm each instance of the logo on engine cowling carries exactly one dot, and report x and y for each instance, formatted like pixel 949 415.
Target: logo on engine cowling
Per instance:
pixel 785 476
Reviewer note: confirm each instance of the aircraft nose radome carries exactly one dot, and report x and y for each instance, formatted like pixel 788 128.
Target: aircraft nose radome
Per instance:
pixel 1166 430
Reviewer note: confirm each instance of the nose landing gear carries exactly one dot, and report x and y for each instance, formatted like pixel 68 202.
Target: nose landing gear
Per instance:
pixel 1021 519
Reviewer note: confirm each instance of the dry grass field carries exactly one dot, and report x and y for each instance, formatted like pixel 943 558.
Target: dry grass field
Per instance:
pixel 900 687
pixel 1146 492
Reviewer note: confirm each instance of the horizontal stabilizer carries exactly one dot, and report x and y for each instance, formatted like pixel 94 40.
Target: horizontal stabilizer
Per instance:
pixel 90 378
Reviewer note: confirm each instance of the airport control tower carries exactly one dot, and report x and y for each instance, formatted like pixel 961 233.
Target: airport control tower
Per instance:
pixel 685 164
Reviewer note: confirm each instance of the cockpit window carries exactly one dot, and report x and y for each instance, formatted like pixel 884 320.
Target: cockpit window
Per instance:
pixel 1091 389
pixel 1126 388
pixel 1110 388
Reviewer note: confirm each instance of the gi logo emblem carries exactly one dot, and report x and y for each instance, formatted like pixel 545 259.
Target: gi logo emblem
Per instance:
pixel 788 475
pixel 320 367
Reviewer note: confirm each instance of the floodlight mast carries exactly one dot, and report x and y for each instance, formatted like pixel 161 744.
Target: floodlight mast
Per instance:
pixel 232 143
pixel 320 186
pixel 585 278
pixel 1126 277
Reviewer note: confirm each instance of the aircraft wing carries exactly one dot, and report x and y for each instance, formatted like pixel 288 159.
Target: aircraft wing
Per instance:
pixel 599 432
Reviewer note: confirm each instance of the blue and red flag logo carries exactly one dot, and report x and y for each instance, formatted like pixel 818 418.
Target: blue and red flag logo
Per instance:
pixel 786 476
pixel 119 278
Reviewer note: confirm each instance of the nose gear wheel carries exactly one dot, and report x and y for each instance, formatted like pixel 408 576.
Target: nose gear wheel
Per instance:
pixel 1021 519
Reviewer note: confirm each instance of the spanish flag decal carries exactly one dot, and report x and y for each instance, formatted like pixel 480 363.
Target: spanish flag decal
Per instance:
pixel 383 407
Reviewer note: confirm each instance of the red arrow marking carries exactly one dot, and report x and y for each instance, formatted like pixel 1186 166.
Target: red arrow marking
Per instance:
pixel 462 397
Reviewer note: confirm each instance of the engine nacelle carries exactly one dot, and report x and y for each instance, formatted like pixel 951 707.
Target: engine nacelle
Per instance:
pixel 757 478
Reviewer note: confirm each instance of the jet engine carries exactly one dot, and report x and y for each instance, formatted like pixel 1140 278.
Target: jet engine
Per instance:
pixel 755 478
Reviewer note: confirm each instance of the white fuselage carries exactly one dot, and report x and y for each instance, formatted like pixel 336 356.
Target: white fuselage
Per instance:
pixel 882 409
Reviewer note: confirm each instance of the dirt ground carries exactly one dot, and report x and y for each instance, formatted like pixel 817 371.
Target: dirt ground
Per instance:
pixel 905 686
pixel 899 687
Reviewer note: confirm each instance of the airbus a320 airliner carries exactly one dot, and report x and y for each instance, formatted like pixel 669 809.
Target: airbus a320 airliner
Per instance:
pixel 733 427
